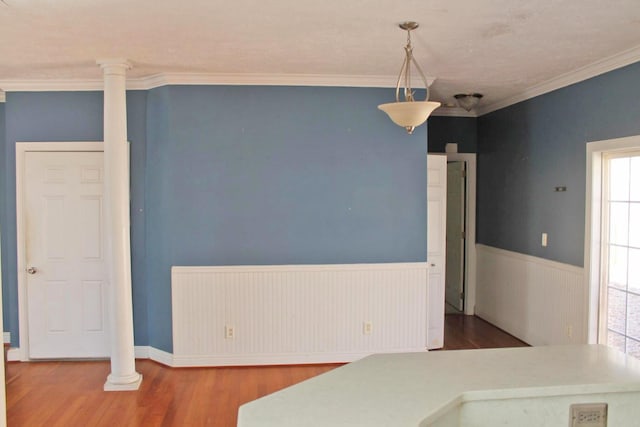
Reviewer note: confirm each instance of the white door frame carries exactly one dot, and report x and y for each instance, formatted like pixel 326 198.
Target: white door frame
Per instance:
pixel 470 221
pixel 22 148
pixel 592 231
pixel 3 392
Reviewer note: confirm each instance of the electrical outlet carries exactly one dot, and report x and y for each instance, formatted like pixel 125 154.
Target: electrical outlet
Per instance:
pixel 570 331
pixel 367 327
pixel 544 239
pixel 229 332
pixel 588 415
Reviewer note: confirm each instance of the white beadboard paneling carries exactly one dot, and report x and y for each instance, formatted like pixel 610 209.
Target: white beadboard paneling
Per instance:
pixel 296 314
pixel 541 302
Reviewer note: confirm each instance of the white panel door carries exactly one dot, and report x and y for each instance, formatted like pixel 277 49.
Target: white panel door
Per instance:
pixel 454 283
pixel 436 246
pixel 66 280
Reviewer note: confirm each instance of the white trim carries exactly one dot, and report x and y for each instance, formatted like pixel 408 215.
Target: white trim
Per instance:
pixel 141 351
pixel 164 79
pixel 152 353
pixel 161 356
pixel 274 359
pixel 6 337
pixel 295 268
pixel 453 112
pixel 43 85
pixel 592 231
pixel 530 258
pixel 21 149
pixel 470 221
pixel 15 354
pixel 602 66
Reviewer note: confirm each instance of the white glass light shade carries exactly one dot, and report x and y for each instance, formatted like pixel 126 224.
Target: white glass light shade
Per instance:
pixel 409 114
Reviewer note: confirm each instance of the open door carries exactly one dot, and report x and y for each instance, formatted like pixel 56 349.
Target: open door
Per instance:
pixel 454 283
pixel 436 243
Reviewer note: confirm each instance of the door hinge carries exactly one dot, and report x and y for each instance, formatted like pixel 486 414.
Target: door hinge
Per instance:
pixel 463 173
pixel 461 295
pixel 463 234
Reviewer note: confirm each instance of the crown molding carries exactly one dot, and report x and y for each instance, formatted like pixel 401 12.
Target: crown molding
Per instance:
pixel 594 69
pixel 164 79
pixel 331 80
pixel 44 85
pixel 611 63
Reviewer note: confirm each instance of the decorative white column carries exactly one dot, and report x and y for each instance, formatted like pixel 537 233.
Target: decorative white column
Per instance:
pixel 123 374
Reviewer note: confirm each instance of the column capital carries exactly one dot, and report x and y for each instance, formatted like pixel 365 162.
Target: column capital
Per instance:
pixel 113 64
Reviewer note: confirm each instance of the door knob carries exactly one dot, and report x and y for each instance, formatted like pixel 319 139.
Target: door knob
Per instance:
pixel 432 265
pixel 32 270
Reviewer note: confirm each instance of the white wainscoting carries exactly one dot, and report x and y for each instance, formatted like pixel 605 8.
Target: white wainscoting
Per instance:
pixel 541 302
pixel 296 314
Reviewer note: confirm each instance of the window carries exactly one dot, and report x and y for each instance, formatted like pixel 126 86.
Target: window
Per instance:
pixel 620 257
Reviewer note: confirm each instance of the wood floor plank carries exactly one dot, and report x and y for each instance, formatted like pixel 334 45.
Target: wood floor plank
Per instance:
pixel 70 394
pixel 469 332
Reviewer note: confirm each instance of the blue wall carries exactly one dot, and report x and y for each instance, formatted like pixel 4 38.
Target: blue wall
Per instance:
pixel 529 148
pixel 290 175
pixel 277 175
pixel 60 116
pixel 461 130
pixel 239 175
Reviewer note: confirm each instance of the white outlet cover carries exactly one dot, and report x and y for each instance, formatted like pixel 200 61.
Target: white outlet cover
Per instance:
pixel 588 415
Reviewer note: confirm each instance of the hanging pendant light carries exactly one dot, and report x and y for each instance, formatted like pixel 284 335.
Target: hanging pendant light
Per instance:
pixel 409 113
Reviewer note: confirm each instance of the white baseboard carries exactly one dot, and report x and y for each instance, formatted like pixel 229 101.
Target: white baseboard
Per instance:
pixel 6 337
pixel 168 359
pixel 148 352
pixel 273 359
pixel 15 355
pixel 161 356
pixel 141 351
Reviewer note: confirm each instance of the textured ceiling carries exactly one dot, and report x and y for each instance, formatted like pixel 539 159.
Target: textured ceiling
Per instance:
pixel 497 47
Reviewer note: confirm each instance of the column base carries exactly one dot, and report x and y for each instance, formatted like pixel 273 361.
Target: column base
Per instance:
pixel 123 384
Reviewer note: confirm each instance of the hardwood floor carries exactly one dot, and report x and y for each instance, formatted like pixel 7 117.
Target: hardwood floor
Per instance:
pixel 468 332
pixel 70 393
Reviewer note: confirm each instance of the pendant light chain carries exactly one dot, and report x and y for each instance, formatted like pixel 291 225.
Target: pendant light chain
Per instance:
pixel 408 93
pixel 405 72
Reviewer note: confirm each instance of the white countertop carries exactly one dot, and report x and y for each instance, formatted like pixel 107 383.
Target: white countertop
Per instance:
pixel 412 388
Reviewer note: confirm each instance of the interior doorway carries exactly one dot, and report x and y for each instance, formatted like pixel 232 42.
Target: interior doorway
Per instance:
pixel 456 236
pixel 462 290
pixel 61 273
